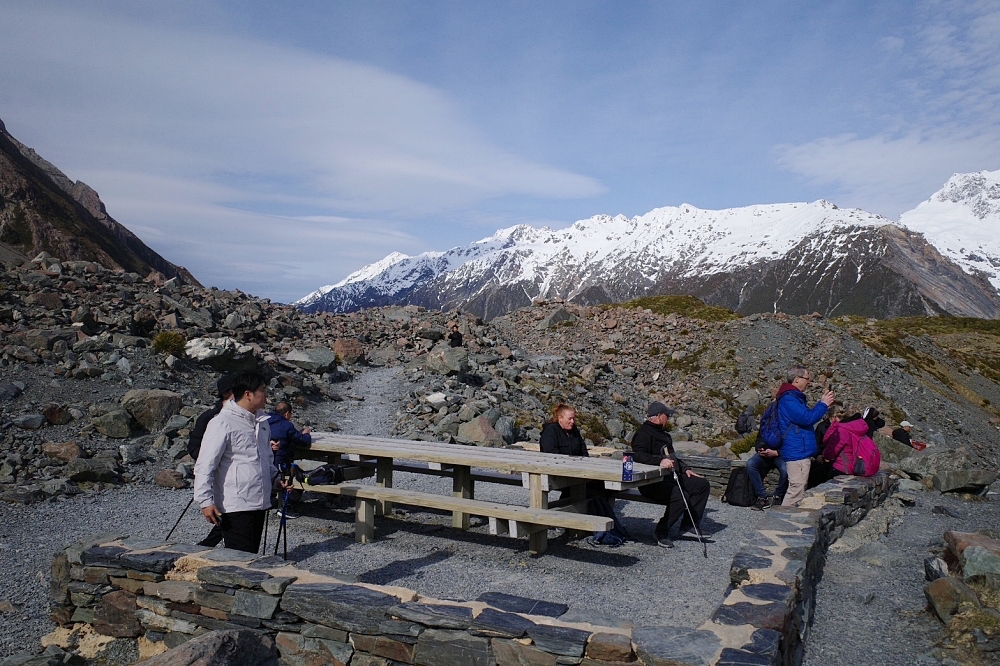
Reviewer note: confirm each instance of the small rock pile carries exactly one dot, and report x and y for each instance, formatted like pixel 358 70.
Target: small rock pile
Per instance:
pixel 964 593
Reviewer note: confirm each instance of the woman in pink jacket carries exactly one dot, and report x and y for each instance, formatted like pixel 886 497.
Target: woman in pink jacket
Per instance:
pixel 848 444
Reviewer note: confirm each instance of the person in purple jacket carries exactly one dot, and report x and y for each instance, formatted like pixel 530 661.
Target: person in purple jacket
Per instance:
pixel 796 420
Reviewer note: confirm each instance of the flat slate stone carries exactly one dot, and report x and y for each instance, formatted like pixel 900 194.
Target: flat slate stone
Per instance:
pixel 346 607
pixel 155 561
pixel 675 646
pixel 138 543
pixel 233 577
pixel 731 657
pixel 272 562
pixel 228 555
pixel 768 592
pixel 440 647
pixel 102 556
pixel 254 604
pixel 768 616
pixel 595 618
pixel 277 585
pixel 512 652
pixel 494 623
pixel 216 600
pixel 739 569
pixel 763 641
pixel 435 615
pixel 514 604
pixel 559 640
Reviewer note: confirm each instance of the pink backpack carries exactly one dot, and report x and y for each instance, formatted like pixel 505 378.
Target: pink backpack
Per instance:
pixel 851 450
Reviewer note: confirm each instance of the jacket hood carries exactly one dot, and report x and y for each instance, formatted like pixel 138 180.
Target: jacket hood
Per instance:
pixel 785 388
pixel 858 427
pixel 275 418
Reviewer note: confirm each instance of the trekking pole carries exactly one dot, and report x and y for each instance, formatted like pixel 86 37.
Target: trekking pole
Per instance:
pixel 190 501
pixel 267 519
pixel 694 523
pixel 283 526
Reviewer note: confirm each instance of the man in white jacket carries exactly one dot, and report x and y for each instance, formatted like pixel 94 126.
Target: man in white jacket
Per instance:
pixel 234 475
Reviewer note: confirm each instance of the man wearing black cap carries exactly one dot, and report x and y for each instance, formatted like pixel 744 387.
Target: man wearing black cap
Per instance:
pixel 225 389
pixel 652 445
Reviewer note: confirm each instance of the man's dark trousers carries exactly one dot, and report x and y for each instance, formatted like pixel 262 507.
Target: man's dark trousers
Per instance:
pixel 667 493
pixel 241 530
pixel 213 539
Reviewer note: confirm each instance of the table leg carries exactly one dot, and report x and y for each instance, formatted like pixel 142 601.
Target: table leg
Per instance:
pixel 462 486
pixel 383 479
pixel 364 520
pixel 537 499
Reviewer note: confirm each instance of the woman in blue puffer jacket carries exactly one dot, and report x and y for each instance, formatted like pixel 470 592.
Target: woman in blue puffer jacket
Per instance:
pixel 797 420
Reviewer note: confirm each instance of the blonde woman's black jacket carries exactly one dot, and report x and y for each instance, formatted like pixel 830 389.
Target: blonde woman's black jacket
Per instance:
pixel 556 440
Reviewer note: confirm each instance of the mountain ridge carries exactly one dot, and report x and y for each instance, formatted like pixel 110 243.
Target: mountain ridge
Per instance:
pixel 796 257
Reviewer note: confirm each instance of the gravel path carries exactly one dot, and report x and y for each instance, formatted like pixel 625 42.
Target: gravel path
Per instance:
pixel 417 549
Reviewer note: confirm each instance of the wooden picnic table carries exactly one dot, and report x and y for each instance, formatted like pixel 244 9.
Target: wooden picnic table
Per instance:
pixel 541 471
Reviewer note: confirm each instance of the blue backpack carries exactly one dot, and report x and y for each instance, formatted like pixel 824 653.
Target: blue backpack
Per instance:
pixel 769 435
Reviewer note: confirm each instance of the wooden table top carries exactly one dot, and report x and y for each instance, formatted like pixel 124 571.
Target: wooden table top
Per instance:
pixel 508 460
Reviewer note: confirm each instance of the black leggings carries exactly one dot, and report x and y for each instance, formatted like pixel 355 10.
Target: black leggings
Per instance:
pixel 241 530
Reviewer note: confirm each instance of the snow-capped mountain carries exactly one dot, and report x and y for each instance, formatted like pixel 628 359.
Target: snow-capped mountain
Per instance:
pixel 797 258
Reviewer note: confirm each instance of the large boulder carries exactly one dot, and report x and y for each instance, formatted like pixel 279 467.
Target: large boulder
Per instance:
pixel 892 451
pixel 948 596
pixel 152 407
pixel 317 359
pixel 223 354
pixel 91 469
pixel 556 317
pixel 349 350
pixel 233 647
pixel 116 424
pixel 478 431
pixel 447 360
pixel 64 451
pixel 950 469
pixel 980 565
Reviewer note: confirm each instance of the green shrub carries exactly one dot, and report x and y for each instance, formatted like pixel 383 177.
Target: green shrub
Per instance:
pixel 686 306
pixel 170 342
pixel 744 445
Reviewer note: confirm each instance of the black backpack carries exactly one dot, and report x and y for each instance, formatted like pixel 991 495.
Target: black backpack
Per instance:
pixel 745 423
pixel 739 492
pixel 324 475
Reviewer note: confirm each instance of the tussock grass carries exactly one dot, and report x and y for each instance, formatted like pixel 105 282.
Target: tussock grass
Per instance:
pixel 686 306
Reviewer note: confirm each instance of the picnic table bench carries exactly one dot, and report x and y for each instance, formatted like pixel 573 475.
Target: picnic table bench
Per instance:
pixel 538 472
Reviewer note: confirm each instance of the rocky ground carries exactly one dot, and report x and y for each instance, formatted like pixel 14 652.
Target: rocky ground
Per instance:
pixel 96 403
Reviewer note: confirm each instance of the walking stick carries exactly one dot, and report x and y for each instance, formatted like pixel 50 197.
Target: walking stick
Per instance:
pixel 179 518
pixel 694 523
pixel 283 526
pixel 267 519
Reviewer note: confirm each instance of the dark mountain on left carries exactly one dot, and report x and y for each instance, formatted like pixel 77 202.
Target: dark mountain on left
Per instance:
pixel 41 209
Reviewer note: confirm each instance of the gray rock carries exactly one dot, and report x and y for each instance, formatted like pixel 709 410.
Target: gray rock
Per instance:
pixel 948 596
pixel 92 469
pixel 345 607
pixel 615 427
pixel 525 605
pixel 229 576
pixel 675 646
pixel 934 568
pixel 116 424
pixel 316 359
pixel 132 454
pixel 9 391
pixel 559 640
pixel 440 647
pixel 556 317
pixel 152 408
pixel 447 360
pixel 255 604
pixel 240 647
pixel 980 565
pixel 175 423
pixel 967 480
pixel 434 615
pixel 494 623
pixel 224 354
pixel 478 431
pixel 505 428
pixel 748 398
pixel 30 421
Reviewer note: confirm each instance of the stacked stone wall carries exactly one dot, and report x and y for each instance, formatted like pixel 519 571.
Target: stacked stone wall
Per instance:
pixel 165 594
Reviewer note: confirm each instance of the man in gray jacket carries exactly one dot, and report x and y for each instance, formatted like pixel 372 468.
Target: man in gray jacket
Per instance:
pixel 234 475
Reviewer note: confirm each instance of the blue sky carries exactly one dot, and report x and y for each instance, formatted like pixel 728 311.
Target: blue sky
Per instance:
pixel 278 148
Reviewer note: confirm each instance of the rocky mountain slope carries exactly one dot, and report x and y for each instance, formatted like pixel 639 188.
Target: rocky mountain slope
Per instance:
pixel 42 210
pixel 796 258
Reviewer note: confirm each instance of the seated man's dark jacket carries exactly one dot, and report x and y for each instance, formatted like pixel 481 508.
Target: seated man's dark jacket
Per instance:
pixel 194 442
pixel 651 444
pixel 287 436
pixel 901 435
pixel 556 440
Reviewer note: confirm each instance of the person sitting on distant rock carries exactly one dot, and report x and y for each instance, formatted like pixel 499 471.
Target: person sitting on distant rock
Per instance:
pixel 225 389
pixel 902 433
pixel 652 445
pixel 455 337
pixel 796 421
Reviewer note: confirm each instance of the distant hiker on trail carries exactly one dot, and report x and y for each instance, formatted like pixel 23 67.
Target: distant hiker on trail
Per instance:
pixel 235 473
pixel 652 445
pixel 745 421
pixel 225 389
pixel 455 337
pixel 902 433
pixel 796 420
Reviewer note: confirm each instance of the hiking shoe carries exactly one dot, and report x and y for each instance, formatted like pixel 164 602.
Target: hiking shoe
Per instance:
pixel 664 541
pixel 287 514
pixel 763 503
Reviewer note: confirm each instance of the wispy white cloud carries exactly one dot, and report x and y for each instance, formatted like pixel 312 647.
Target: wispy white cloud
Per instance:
pixel 948 119
pixel 200 133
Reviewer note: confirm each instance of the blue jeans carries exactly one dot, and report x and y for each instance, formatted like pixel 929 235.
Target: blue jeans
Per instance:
pixel 758 467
